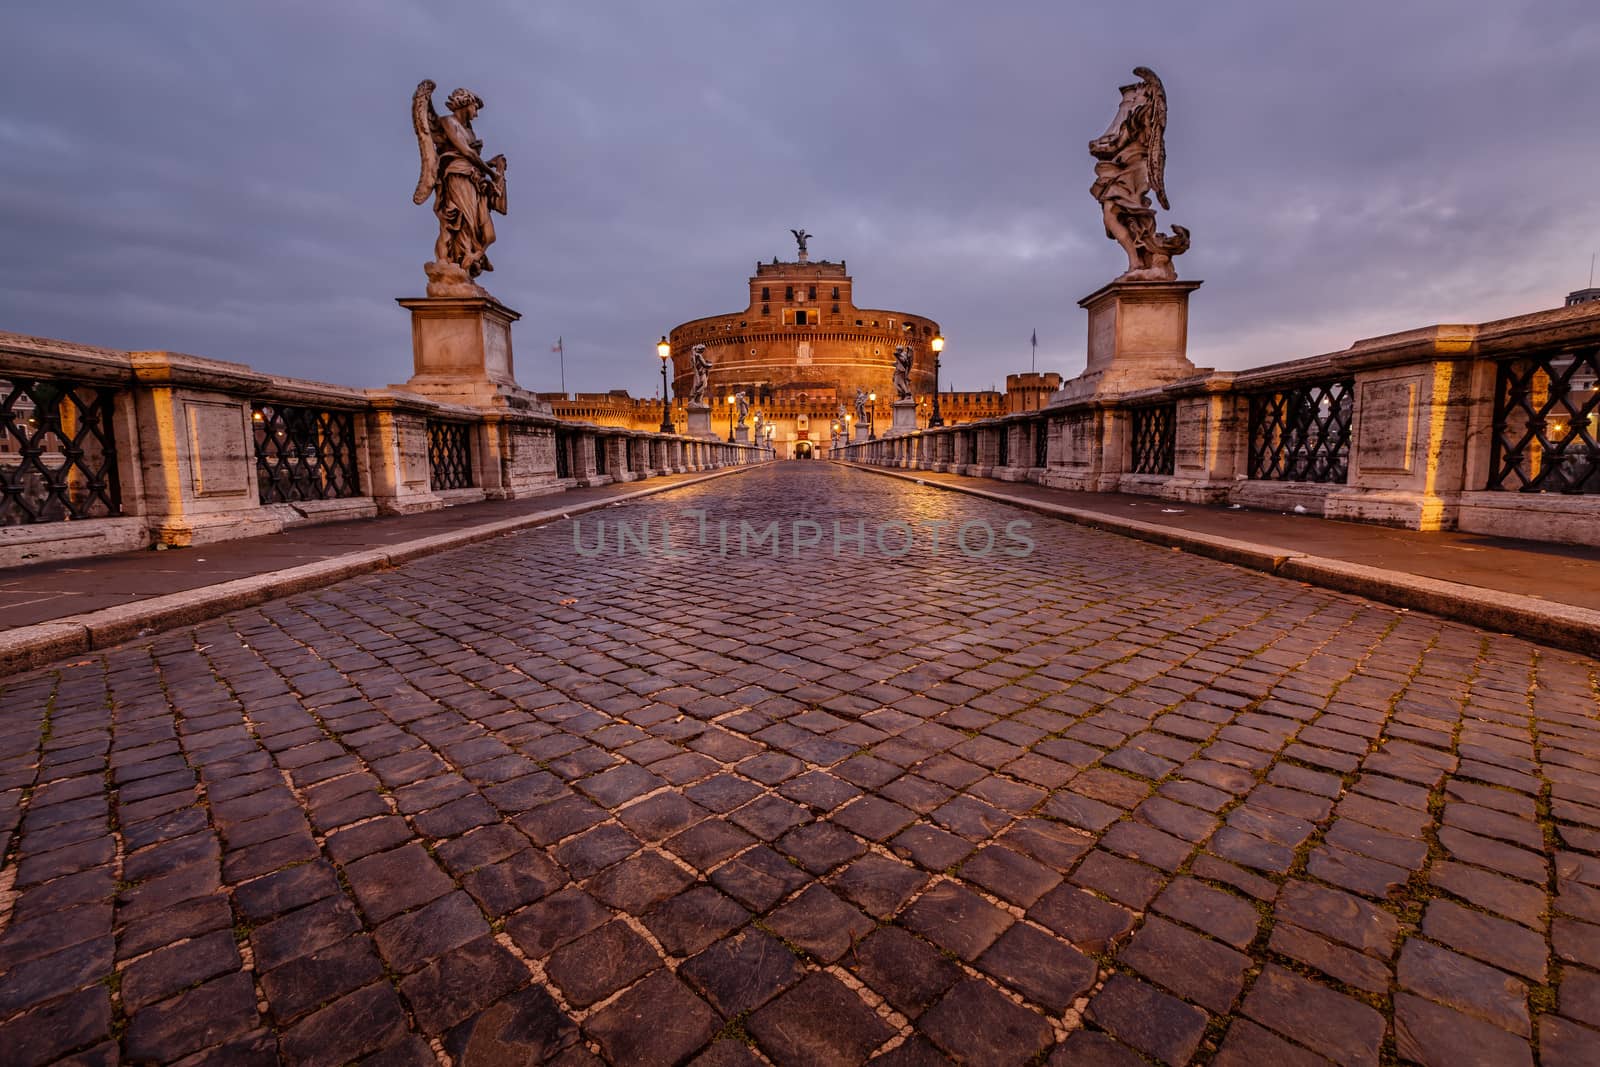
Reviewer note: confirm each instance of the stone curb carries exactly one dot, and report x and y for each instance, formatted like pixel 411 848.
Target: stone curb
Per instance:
pixel 1541 621
pixel 33 646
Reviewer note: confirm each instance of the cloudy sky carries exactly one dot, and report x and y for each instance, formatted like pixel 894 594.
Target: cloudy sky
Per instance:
pixel 233 180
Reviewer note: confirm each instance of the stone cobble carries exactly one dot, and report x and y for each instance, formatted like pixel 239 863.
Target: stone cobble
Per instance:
pixel 1098 802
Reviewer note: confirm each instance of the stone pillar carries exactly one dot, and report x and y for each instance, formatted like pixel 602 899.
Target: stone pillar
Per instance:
pixel 741 435
pixel 861 433
pixel 461 352
pixel 1138 337
pixel 1408 451
pixel 700 420
pixel 904 417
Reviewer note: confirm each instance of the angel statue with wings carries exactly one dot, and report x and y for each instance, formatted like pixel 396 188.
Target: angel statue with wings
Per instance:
pixel 902 372
pixel 702 374
pixel 802 238
pixel 861 404
pixel 1130 160
pixel 465 190
pixel 742 400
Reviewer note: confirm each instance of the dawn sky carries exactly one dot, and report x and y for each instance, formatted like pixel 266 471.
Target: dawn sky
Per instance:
pixel 234 180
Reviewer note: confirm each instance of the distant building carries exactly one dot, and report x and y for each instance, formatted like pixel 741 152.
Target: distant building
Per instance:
pixel 1029 392
pixel 1582 296
pixel 799 349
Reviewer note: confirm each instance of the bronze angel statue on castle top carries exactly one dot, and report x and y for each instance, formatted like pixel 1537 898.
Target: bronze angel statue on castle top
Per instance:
pixel 464 187
pixel 1130 164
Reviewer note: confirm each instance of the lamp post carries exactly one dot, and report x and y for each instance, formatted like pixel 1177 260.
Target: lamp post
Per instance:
pixel 771 432
pixel 833 439
pixel 872 410
pixel 937 344
pixel 664 350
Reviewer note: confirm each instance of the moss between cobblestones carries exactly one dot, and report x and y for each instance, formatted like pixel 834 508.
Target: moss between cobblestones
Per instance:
pixel 734 1030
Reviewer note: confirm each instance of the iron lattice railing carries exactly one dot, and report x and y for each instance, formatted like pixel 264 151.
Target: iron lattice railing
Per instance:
pixel 1002 450
pixel 1041 443
pixel 304 453
pixel 1302 433
pixel 449 454
pixel 58 452
pixel 563 454
pixel 1151 437
pixel 1547 424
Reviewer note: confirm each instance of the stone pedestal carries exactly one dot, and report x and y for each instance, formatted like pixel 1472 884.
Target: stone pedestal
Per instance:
pixel 861 435
pixel 700 420
pixel 1138 336
pixel 461 352
pixel 741 435
pixel 905 416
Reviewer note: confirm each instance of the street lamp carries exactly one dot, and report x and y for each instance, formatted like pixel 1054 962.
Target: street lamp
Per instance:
pixel 664 350
pixel 771 430
pixel 937 344
pixel 730 418
pixel 872 409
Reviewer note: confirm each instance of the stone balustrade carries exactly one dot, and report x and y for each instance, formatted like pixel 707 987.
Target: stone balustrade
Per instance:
pixel 1491 428
pixel 104 451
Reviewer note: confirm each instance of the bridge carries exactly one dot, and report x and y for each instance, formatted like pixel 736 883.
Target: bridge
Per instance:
pixel 809 765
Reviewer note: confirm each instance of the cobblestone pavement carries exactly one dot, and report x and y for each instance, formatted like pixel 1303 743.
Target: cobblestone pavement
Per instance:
pixel 1094 804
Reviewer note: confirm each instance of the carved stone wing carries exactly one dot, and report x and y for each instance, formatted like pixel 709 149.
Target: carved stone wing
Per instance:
pixel 423 120
pixel 1156 133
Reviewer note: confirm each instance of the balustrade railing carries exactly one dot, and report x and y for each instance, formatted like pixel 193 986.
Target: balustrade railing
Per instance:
pixel 1547 424
pixel 563 454
pixel 1151 438
pixel 58 452
pixel 1301 433
pixel 304 453
pixel 449 454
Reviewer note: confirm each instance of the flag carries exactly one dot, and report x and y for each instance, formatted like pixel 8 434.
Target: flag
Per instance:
pixel 557 346
pixel 1035 338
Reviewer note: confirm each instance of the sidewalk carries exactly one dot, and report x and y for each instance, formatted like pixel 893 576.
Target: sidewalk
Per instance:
pixel 1545 592
pixel 61 608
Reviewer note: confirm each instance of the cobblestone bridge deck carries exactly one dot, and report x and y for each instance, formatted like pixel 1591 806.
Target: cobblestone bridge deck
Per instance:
pixel 1090 804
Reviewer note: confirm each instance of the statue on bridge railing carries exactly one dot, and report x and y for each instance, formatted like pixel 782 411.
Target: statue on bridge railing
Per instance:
pixel 1131 164
pixel 861 405
pixel 742 400
pixel 702 374
pixel 843 411
pixel 464 187
pixel 902 372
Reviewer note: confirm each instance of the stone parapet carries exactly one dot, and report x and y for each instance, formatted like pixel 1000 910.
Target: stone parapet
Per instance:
pixel 1453 426
pixel 190 451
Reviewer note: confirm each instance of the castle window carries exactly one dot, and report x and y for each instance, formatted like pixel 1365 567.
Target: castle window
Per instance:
pixel 860 323
pixel 765 296
pixel 811 293
pixel 836 292
pixel 836 309
pixel 800 318
pixel 788 292
pixel 765 310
